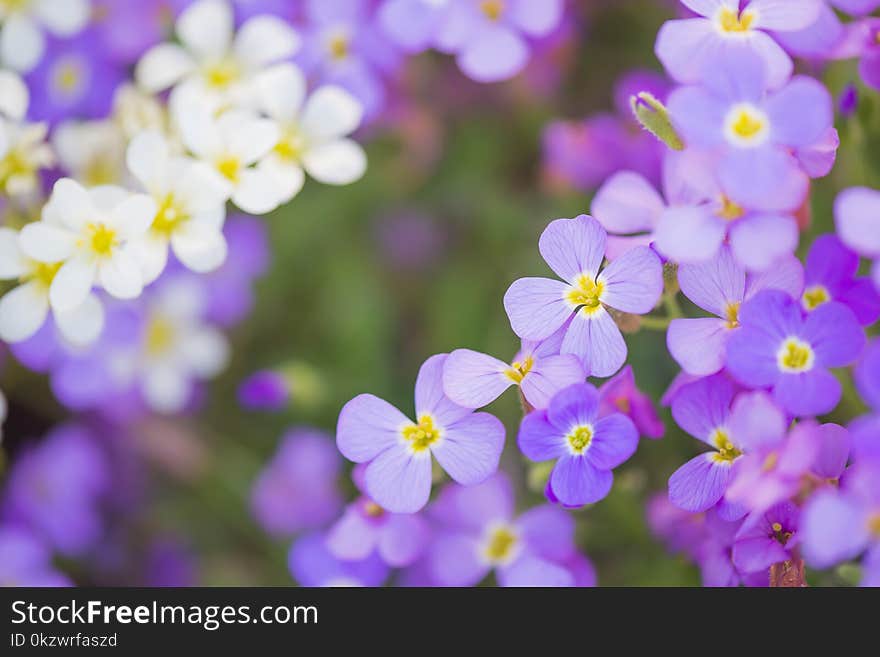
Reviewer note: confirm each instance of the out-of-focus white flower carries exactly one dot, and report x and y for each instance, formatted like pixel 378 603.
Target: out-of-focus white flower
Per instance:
pixel 313 132
pixel 136 111
pixel 178 348
pixel 92 152
pixel 23 148
pixel 231 145
pixel 191 200
pixel 91 232
pixel 210 60
pixel 23 309
pixel 21 36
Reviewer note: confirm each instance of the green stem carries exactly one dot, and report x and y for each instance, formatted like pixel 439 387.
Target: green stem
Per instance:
pixel 654 323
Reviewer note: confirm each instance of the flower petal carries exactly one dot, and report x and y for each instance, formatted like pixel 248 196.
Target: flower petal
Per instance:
pixel 339 162
pixel 330 113
pixel 614 440
pixel 576 482
pixel 536 307
pixel 538 439
pixel 549 375
pixel 82 325
pixel 597 341
pixel 471 448
pixel 573 247
pixel 699 484
pixel 474 380
pixel 367 426
pixel 698 345
pixel 22 312
pixel 633 282
pixel 399 481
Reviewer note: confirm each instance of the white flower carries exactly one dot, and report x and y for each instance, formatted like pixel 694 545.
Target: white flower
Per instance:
pixel 210 60
pixel 14 96
pixel 231 145
pixel 92 152
pixel 21 36
pixel 135 111
pixel 23 309
pixel 312 133
pixel 178 347
pixel 23 148
pixel 191 200
pixel 91 232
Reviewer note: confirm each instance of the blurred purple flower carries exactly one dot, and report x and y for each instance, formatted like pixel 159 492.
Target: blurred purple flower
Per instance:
pixel 767 538
pixel 620 394
pixel 264 390
pixel 25 561
pixel 312 564
pixel 857 216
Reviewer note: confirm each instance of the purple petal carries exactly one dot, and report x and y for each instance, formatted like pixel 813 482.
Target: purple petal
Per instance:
pixel 496 53
pixel 863 298
pixel 792 126
pixel 403 539
pixel 471 448
pixel 833 529
pixel 758 553
pixel 697 114
pixel 756 422
pixel 474 380
pixel 786 274
pixel 809 393
pixel 574 406
pixel 548 376
pixel 399 481
pixel 536 307
pixel 454 560
pixel 430 398
pixel 689 233
pixel 627 204
pixel 766 178
pixel 714 285
pixel 698 345
pixel 868 375
pixel 529 571
pixel 834 448
pixel 352 537
pixel 633 282
pixel 548 531
pixel 473 508
pixel 367 426
pixel 835 335
pixel 785 15
pixel 538 439
pixel 536 18
pixel 699 484
pixel 573 247
pixel 759 241
pixel 830 263
pixel 857 216
pixel 576 482
pixel 703 406
pixel 683 46
pixel 614 440
pixel 597 341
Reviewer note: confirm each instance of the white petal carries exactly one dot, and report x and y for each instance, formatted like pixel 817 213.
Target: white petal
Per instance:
pixel 147 159
pixel 13 95
pixel 23 311
pixel 287 176
pixel 45 242
pixel 73 203
pixel 206 28
pixel 206 352
pixel 331 112
pixel 200 188
pixel 82 325
pixel 195 123
pixel 336 163
pixel 199 247
pixel 12 261
pixel 163 66
pixel 247 137
pixel 72 284
pixel 21 43
pixel 63 17
pixel 151 252
pixel 256 192
pixel 165 389
pixel 264 40
pixel 281 90
pixel 134 216
pixel 121 276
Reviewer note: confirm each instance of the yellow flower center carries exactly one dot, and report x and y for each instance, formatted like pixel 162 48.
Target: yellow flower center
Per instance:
pixel 101 239
pixel 492 9
pixel 15 164
pixel 815 296
pixel 160 336
pixel 373 510
pixel 501 545
pixel 746 126
pixel 67 76
pixel 795 356
pixel 422 435
pixel 339 46
pixel 623 404
pixel 732 21
pixel 580 438
pixel 727 451
pixel 44 274
pixel 586 294
pixel 222 73
pixel 729 210
pixel 291 144
pixel 770 462
pixel 518 370
pixel 100 171
pixel 874 524
pixel 168 217
pixel 229 167
pixel 731 314
pixel 14 5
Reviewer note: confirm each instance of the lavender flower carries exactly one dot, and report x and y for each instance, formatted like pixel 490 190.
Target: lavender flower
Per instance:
pixel 25 561
pixel 830 275
pixel 264 390
pixel 467 445
pixel 586 447
pixel 778 348
pixel 620 394
pixel 857 214
pixel 766 539
pixel 574 249
pixel 312 564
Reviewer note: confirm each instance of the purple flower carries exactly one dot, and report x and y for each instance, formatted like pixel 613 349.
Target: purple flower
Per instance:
pixel 831 276
pixel 490 37
pixel 25 561
pixel 819 39
pixel 412 25
pixel 298 488
pixel 312 564
pixel 477 531
pixel 766 539
pixel 732 26
pixel 474 380
pixel 585 446
pixel 715 557
pixel 467 445
pixel 693 218
pixel 574 249
pixel 680 530
pixel 128 28
pixel 620 394
pixel 55 487
pixel 857 214
pixel 265 390
pixel 754 131
pixel 777 348
pixel 720 287
pixel 839 525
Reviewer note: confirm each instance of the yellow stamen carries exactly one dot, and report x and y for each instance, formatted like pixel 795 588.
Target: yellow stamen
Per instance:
pixel 586 295
pixel 373 510
pixel 795 356
pixel 815 296
pixel 874 525
pixel 580 438
pixel 160 336
pixel 291 144
pixel 102 240
pixel 518 370
pixel 777 527
pixel 747 125
pixel 500 545
pixel 222 73
pixel 727 451
pixel 422 435
pixel 729 210
pixel 67 76
pixel 44 274
pixel 731 314
pixel 492 9
pixel 770 462
pixel 168 217
pixel 229 167
pixel 732 21
pixel 339 46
